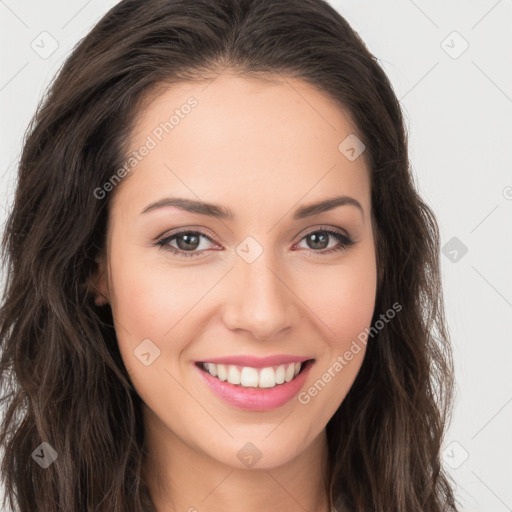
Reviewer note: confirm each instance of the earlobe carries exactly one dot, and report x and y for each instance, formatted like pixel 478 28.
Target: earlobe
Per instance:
pixel 97 283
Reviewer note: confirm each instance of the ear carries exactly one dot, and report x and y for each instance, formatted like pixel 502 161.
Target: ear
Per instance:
pixel 98 282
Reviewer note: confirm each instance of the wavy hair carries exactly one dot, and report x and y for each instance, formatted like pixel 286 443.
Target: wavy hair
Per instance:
pixel 62 377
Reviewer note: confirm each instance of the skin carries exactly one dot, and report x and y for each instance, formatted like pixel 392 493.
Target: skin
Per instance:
pixel 262 150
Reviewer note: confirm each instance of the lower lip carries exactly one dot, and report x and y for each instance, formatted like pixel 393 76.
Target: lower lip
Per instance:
pixel 256 399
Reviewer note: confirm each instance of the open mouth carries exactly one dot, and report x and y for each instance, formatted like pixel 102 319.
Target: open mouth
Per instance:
pixel 249 377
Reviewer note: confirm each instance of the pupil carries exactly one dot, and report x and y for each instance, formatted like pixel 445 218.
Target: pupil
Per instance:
pixel 321 239
pixel 189 239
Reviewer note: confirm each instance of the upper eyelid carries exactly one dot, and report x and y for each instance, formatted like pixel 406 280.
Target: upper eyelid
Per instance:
pixel 327 228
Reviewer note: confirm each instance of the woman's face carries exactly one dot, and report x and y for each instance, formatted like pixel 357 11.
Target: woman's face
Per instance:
pixel 264 281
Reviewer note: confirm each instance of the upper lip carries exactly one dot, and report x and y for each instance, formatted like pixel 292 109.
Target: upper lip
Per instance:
pixel 257 362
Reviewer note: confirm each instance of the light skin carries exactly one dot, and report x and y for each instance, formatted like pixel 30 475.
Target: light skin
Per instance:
pixel 262 150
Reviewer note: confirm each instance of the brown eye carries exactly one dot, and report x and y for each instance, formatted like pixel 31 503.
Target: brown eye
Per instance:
pixel 187 243
pixel 318 241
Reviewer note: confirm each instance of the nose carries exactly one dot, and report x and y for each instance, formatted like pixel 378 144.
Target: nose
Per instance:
pixel 260 299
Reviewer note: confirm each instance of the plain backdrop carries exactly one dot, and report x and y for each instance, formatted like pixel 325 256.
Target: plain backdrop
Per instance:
pixel 450 63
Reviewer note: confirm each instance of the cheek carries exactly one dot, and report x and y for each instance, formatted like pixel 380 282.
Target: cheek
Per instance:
pixel 148 301
pixel 146 307
pixel 343 302
pixel 342 297
pixel 349 309
pixel 159 303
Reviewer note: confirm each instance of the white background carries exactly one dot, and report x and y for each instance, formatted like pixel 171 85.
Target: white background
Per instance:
pixel 458 109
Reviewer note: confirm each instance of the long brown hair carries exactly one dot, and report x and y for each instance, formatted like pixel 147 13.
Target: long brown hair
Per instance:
pixel 63 380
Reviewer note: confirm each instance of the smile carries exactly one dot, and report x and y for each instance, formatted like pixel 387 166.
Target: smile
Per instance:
pixel 255 389
pixel 247 376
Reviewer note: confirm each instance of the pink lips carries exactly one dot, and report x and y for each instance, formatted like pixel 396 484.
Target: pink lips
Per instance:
pixel 251 398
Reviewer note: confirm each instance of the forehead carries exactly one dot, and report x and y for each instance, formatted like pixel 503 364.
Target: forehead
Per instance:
pixel 236 137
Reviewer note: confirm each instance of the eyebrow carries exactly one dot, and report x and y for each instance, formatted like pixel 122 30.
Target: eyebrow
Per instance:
pixel 220 212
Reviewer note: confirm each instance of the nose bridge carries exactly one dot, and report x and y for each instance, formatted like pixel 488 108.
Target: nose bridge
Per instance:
pixel 261 301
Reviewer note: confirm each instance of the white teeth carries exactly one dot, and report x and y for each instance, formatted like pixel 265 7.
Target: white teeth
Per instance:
pixel 280 373
pixel 233 375
pixel 212 369
pixel 267 378
pixel 222 373
pixel 249 377
pixel 254 377
pixel 290 372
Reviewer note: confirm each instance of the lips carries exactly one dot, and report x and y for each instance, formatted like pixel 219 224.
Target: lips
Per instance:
pixel 256 398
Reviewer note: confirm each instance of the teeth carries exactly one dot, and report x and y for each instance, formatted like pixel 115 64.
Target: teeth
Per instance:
pixel 280 375
pixel 249 377
pixel 267 378
pixel 253 377
pixel 212 369
pixel 233 375
pixel 290 373
pixel 222 373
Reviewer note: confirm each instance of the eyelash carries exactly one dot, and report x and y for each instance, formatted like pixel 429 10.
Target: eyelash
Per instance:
pixel 344 242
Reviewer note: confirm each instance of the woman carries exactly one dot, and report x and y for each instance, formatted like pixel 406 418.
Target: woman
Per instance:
pixel 224 290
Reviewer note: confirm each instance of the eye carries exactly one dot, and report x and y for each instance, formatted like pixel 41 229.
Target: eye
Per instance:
pixel 188 243
pixel 319 239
